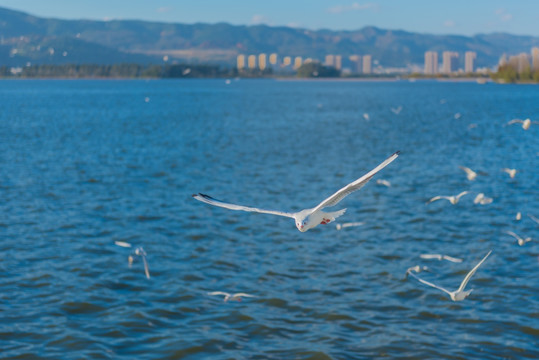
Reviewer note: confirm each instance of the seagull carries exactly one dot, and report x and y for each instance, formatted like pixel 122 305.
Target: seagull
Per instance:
pixel 460 293
pixel 457 116
pixel 396 110
pixel 350 224
pixel 416 268
pixel 452 199
pixel 511 172
pixel 482 199
pixel 234 297
pixel 533 218
pixel 519 216
pixel 440 257
pixel 470 174
pixel 383 182
pixel 525 123
pixel 520 240
pixel 472 126
pixel 139 251
pixel 366 116
pixel 308 218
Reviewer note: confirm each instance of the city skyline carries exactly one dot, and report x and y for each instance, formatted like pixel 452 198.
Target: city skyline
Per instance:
pixel 457 17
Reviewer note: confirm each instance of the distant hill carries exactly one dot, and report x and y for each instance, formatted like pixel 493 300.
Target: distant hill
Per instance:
pixel 26 38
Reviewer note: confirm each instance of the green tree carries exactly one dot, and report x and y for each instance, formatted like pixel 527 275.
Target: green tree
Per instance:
pixel 314 69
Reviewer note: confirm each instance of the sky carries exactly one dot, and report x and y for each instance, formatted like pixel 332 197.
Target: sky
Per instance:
pixel 458 17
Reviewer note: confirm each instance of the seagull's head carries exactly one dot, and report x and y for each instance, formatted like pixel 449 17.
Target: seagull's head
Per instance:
pixel 301 225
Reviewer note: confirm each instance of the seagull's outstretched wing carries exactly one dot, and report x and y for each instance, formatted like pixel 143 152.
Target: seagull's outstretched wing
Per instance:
pixel 146 268
pixel 514 121
pixel 356 185
pixel 243 295
pixel 430 284
pixel 470 274
pixel 452 259
pixel 461 194
pixel 436 198
pixel 513 235
pixel 533 218
pixel 209 200
pixel 218 293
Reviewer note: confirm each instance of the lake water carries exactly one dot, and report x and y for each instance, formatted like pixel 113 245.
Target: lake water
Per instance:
pixel 87 163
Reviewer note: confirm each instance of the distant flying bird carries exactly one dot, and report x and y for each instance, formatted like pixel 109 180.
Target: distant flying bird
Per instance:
pixel 383 182
pixel 525 123
pixel 349 224
pixel 308 218
pixel 186 71
pixel 470 174
pixel 472 126
pixel 440 257
pixel 533 218
pixel 482 199
pixel 366 116
pixel 452 199
pixel 457 116
pixel 518 216
pixel 396 110
pixel 511 172
pixel 416 268
pixel 232 297
pixel 520 240
pixel 460 293
pixel 139 251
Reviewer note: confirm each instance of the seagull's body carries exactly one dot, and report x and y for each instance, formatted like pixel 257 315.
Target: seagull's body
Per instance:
pixel 308 218
pixel 482 199
pixel 470 174
pixel 232 297
pixel 452 199
pixel 459 294
pixel 525 123
pixel 511 172
pixel 518 216
pixel 350 224
pixel 139 251
pixel 521 241
pixel 440 257
pixel 366 116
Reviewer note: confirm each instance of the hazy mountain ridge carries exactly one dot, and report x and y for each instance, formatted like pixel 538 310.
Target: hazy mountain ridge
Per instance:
pixel 26 38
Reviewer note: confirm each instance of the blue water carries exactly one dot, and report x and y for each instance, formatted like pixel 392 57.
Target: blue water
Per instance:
pixel 87 163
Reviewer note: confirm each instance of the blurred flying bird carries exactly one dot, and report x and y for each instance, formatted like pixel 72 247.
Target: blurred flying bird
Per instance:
pixel 460 293
pixel 452 199
pixel 232 297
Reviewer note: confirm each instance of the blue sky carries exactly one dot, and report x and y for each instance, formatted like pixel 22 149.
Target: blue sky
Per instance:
pixel 462 17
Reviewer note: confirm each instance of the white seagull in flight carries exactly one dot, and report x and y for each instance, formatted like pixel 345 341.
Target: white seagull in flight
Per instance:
pixel 452 199
pixel 236 297
pixel 308 218
pixel 460 293
pixel 525 123
pixel 520 240
pixel 470 174
pixel 440 257
pixel 139 252
pixel 511 172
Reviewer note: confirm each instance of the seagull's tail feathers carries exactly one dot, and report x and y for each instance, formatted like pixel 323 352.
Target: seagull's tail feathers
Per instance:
pixel 335 214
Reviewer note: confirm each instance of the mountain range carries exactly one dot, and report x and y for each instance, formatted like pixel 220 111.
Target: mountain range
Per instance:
pixel 29 39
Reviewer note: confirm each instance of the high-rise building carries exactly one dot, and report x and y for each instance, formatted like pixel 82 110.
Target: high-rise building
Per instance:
pixel 262 61
pixel 287 61
pixel 297 62
pixel 450 62
pixel 273 59
pixel 251 61
pixel 355 63
pixel 338 62
pixel 535 59
pixel 431 62
pixel 240 62
pixel 367 64
pixel 469 60
pixel 330 60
